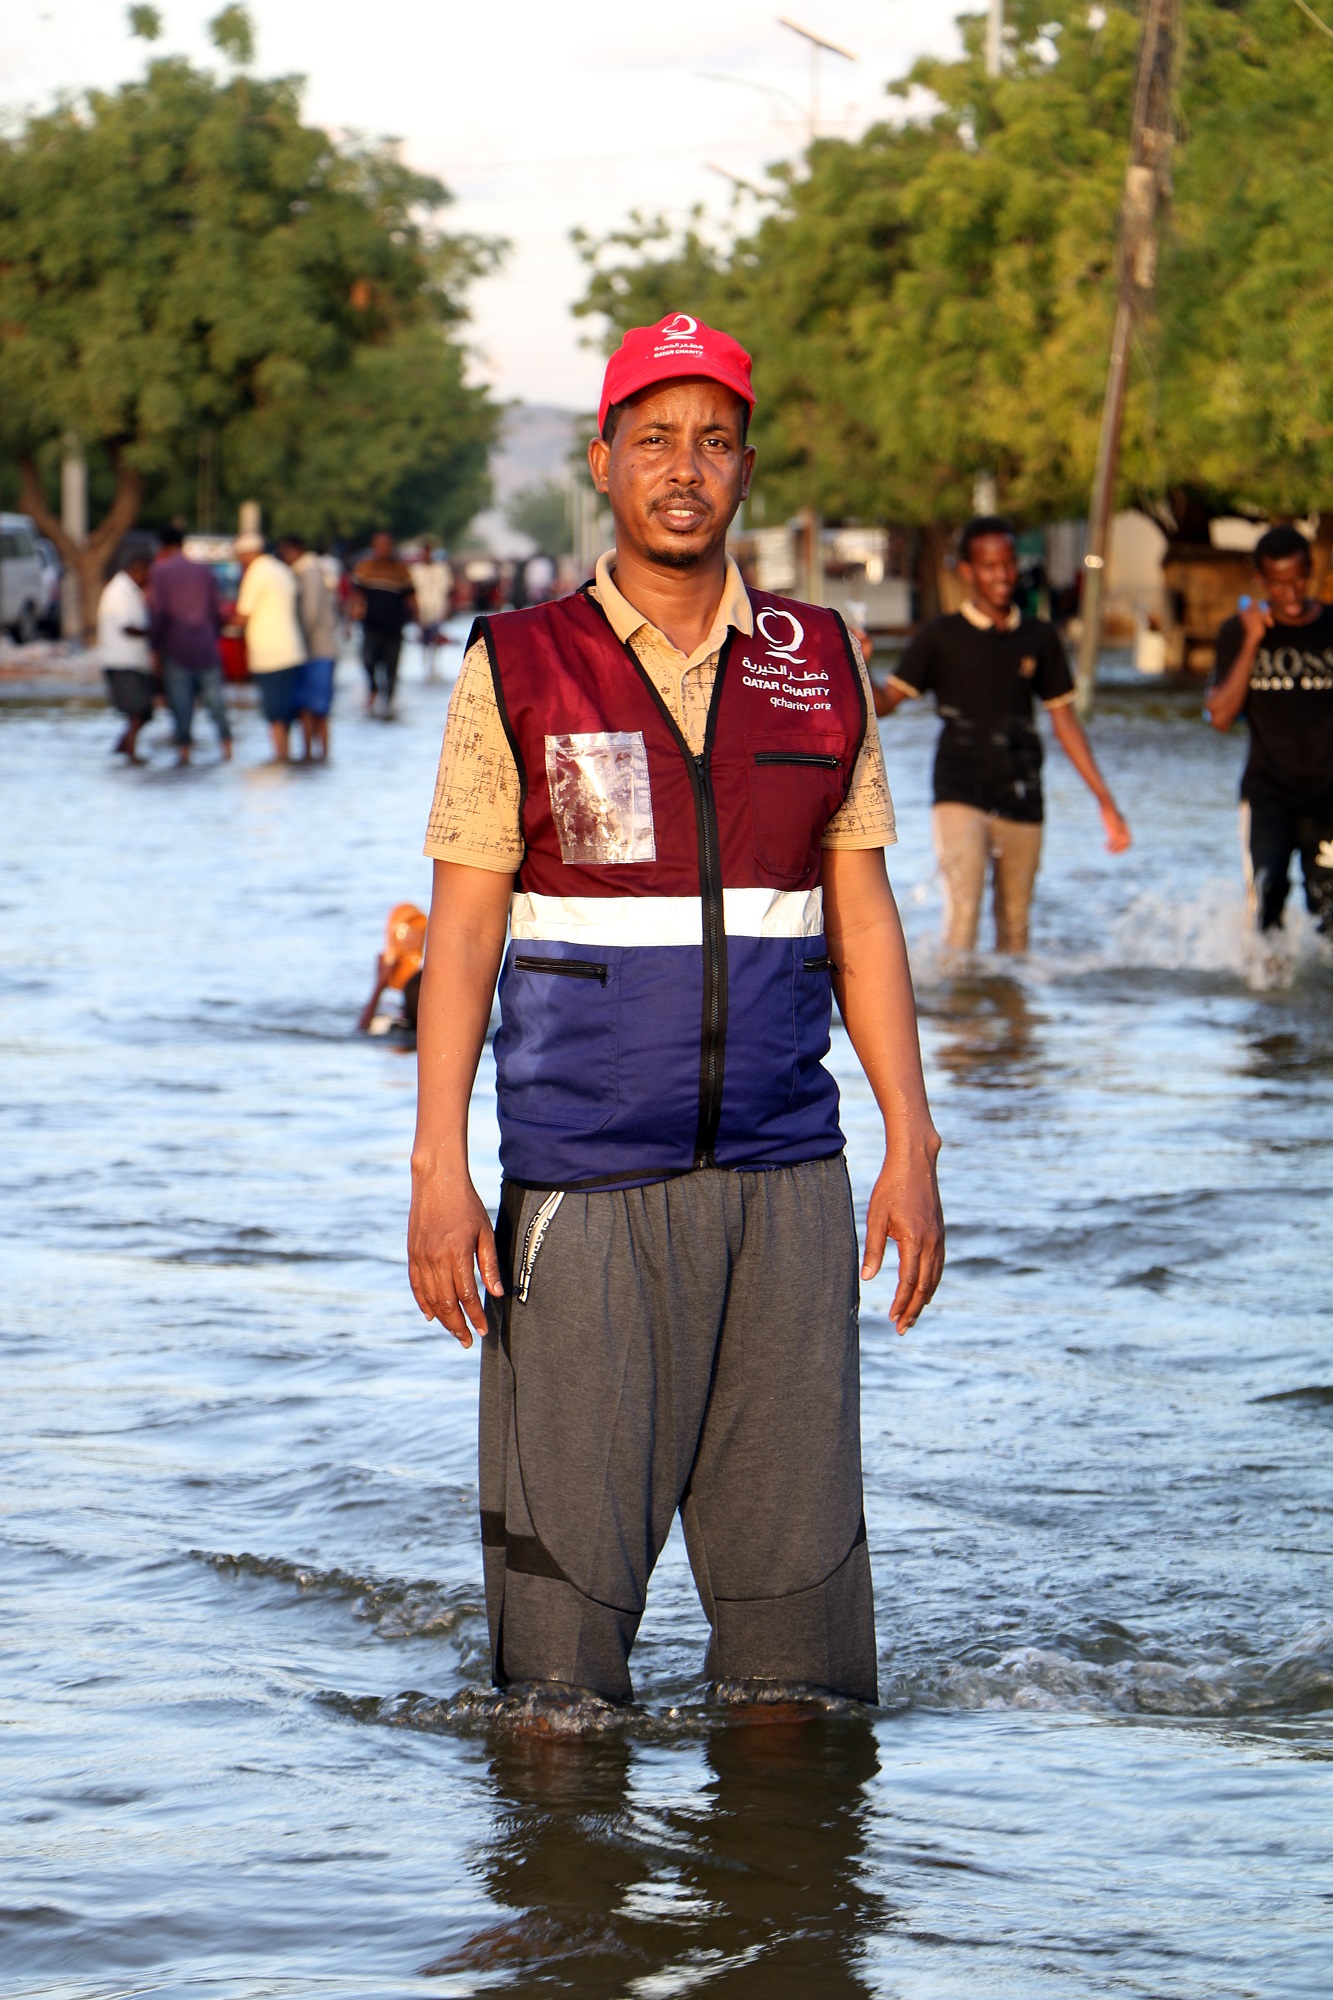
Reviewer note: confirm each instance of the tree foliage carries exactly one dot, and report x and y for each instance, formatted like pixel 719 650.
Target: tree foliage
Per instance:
pixel 936 298
pixel 541 511
pixel 185 260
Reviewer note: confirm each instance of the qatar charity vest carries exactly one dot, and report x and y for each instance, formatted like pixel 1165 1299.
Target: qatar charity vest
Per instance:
pixel 665 997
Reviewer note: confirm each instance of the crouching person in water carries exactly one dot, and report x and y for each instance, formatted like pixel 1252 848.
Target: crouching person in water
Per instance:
pixel 1275 667
pixel 664 789
pixel 397 970
pixel 984 664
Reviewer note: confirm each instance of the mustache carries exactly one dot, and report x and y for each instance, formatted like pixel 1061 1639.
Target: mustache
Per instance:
pixel 679 498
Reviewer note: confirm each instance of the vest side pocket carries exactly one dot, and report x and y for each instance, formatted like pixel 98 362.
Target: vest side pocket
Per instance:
pixel 557 1049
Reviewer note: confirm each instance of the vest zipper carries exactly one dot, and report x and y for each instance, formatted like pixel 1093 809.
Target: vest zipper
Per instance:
pixel 825 759
pixel 710 884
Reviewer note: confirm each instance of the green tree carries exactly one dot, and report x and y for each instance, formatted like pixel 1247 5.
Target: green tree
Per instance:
pixel 186 260
pixel 541 511
pixel 936 299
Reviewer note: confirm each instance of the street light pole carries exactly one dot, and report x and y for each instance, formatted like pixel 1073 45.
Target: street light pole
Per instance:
pixel 1147 184
pixel 817 42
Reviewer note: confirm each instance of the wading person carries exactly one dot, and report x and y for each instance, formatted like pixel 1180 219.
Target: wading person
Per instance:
pixel 384 602
pixel 1275 667
pixel 665 788
pixel 266 608
pixel 122 641
pixel 185 617
pixel 985 664
pixel 318 617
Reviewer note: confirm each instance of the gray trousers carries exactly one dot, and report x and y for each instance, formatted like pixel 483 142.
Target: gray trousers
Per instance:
pixel 691 1345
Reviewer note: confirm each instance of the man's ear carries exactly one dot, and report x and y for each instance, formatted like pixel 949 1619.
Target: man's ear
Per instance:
pixel 599 463
pixel 747 470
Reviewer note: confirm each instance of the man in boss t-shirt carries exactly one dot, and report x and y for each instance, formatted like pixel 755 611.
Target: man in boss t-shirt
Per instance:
pixel 1275 667
pixel 985 666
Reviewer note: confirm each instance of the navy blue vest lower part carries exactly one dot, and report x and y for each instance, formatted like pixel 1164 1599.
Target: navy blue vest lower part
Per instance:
pixel 599 1053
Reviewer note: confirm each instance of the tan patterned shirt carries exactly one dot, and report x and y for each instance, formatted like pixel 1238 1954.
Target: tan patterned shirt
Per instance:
pixel 474 818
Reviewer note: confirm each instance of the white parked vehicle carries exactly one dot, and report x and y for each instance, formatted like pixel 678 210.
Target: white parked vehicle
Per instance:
pixel 22 577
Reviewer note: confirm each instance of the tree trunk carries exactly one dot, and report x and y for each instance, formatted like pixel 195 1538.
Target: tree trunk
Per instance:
pixel 91 560
pixel 937 579
pixel 1323 556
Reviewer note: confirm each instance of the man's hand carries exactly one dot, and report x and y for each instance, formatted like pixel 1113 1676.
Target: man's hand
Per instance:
pixel 1118 835
pixel 905 1205
pixel 449 1236
pixel 1256 618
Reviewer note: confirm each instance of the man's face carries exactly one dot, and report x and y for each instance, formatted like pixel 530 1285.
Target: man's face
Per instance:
pixel 138 570
pixel 1286 585
pixel 382 546
pixel 675 472
pixel 991 572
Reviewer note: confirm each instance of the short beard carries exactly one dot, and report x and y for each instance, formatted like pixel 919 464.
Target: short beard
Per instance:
pixel 673 557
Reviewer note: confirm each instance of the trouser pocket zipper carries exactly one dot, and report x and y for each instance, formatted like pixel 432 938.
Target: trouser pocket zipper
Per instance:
pixel 532 1242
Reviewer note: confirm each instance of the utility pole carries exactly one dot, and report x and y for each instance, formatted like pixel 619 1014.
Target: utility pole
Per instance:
pixel 817 43
pixel 74 520
pixel 994 37
pixel 1147 187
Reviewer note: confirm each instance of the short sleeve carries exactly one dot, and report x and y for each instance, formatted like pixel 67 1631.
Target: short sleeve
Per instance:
pixel 1055 683
pixel 915 671
pixel 249 590
pixel 865 817
pixel 476 816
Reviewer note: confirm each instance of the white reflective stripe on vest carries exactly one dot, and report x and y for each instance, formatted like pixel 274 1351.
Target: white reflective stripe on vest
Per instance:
pixel 650 920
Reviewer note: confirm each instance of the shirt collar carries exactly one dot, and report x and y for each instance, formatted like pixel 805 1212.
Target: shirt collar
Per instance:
pixel 734 608
pixel 985 624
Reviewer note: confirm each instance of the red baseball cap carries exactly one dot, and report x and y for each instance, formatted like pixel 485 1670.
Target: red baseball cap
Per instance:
pixel 678 345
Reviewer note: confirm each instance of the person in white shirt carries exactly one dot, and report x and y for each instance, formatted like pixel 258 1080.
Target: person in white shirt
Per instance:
pixel 317 609
pixel 122 641
pixel 267 610
pixel 432 586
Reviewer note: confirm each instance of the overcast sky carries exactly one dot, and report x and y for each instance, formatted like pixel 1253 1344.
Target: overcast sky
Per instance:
pixel 538 117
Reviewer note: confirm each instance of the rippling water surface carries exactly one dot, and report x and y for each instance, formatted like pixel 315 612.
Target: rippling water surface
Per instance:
pixel 246 1746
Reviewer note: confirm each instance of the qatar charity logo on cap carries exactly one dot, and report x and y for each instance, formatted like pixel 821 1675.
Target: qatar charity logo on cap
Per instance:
pixel 782 645
pixel 678 335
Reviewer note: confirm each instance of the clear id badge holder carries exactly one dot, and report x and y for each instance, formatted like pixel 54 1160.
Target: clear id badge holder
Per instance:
pixel 600 801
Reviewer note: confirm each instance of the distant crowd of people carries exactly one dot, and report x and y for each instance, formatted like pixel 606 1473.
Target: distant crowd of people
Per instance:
pixel 163 622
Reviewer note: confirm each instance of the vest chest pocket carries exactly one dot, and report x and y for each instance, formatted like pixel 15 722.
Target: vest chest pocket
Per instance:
pixel 794 792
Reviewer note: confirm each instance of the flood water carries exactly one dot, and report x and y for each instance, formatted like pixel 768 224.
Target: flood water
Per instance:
pixel 245 1747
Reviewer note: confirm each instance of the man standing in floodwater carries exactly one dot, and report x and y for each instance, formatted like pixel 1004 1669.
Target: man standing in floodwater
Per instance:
pixel 1275 667
pixel 984 664
pixel 185 620
pixel 664 788
pixel 384 601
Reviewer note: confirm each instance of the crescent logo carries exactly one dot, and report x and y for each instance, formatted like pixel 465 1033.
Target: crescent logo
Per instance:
pixel 783 634
pixel 681 327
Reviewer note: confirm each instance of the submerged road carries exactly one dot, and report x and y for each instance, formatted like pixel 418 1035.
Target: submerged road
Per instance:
pixel 242 1685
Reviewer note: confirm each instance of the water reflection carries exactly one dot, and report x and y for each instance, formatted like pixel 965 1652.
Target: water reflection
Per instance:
pixel 987 1031
pixel 617 1874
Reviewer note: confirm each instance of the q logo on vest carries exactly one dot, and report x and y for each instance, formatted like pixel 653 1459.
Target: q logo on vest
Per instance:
pixel 782 645
pixel 680 327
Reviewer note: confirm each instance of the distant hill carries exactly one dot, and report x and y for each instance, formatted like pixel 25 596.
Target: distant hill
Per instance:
pixel 535 442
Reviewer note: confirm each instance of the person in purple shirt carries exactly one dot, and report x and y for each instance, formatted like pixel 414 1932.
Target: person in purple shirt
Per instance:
pixel 185 619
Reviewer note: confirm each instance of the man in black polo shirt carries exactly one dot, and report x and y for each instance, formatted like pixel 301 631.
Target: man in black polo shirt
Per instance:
pixel 1275 666
pixel 984 664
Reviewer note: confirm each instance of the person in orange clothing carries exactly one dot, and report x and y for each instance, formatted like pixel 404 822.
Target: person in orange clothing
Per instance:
pixel 398 968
